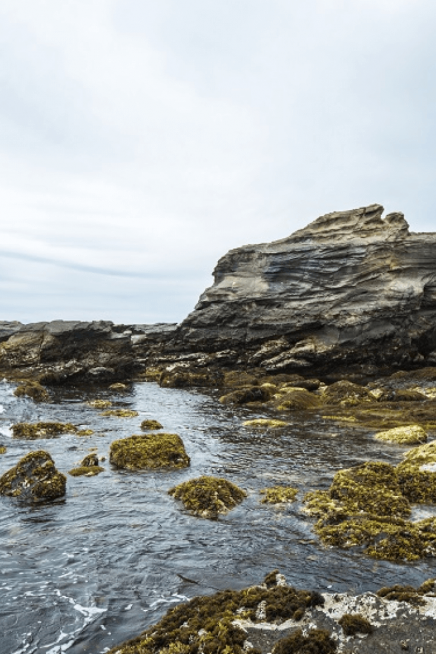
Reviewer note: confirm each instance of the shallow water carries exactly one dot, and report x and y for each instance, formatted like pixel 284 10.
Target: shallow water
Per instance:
pixel 85 573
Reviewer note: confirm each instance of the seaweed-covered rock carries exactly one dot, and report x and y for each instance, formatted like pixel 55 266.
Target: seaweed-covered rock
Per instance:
pixel 118 386
pixel 347 393
pixel 408 435
pixel 295 399
pixel 207 497
pixel 32 389
pixel 88 467
pixel 205 625
pixel 417 473
pixel 180 378
pixel 149 451
pixel 2 449
pixel 32 431
pixel 353 624
pixel 278 494
pixel 265 423
pixel 120 413
pixel 367 506
pixel 317 641
pixel 34 478
pixel 150 425
pixel 99 404
pixel 246 395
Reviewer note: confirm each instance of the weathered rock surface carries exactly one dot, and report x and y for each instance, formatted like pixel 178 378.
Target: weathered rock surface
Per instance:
pixel 34 478
pixel 59 351
pixel 350 288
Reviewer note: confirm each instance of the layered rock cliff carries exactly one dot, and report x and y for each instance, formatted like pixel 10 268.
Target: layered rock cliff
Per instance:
pixel 351 287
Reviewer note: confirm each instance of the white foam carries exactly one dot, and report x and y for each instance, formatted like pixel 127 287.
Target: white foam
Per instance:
pixel 6 431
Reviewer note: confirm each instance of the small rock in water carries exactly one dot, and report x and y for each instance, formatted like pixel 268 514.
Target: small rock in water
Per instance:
pixel 34 478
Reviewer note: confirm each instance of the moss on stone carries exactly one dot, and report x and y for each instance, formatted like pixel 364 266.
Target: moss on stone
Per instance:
pixel 149 451
pixel 407 594
pixel 347 393
pixel 150 425
pixel 296 399
pixel 32 389
pixel 408 435
pixel 278 494
pixel 29 431
pixel 207 497
pixel 34 478
pixel 417 474
pixel 317 641
pixel 246 395
pixel 353 624
pixel 85 471
pixel 205 625
pixel 120 413
pixel 265 423
pixel 367 506
pixel 99 404
pixel 85 432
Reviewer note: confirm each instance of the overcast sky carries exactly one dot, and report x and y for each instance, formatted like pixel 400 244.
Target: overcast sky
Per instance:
pixel 140 140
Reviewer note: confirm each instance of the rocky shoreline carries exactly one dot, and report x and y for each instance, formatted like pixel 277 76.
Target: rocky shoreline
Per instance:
pixel 337 321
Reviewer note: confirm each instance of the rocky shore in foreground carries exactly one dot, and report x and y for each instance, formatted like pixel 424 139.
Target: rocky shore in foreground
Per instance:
pixel 336 321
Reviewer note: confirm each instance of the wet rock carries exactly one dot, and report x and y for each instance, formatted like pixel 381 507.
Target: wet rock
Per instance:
pixel 149 425
pixel 409 435
pixel 32 389
pixel 207 497
pixel 34 478
pixel 296 399
pixel 246 395
pixel 149 451
pixel 265 423
pixel 180 378
pixel 32 431
pixel 347 393
pixel 99 404
pixel 88 467
pixel 278 494
pixel 120 413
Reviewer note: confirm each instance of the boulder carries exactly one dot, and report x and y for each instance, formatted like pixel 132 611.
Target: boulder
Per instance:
pixel 34 478
pixel 149 451
pixel 207 497
pixel 408 435
pixel 34 390
pixel 350 288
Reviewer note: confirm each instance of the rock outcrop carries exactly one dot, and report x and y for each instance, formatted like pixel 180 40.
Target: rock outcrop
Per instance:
pixel 59 351
pixel 349 288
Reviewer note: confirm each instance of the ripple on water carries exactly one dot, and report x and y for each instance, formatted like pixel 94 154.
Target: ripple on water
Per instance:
pixel 84 573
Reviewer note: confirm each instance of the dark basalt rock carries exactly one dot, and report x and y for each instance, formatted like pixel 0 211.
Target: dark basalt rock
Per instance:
pixel 350 288
pixel 34 478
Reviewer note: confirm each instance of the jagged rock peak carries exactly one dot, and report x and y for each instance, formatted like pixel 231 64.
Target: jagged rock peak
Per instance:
pixel 365 222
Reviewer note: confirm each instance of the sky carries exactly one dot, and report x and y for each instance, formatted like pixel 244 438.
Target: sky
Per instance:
pixel 141 140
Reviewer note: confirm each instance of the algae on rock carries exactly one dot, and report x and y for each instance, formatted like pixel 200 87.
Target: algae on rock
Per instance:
pixel 32 389
pixel 278 494
pixel 317 641
pixel 408 435
pixel 207 497
pixel 34 478
pixel 265 423
pixel 149 451
pixel 120 413
pixel 150 425
pixel 353 624
pixel 29 431
pixel 99 404
pixel 88 467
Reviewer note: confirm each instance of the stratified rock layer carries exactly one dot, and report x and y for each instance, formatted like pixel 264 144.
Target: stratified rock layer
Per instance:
pixel 351 287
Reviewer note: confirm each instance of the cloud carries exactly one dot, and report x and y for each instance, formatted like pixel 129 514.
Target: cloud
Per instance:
pixel 142 140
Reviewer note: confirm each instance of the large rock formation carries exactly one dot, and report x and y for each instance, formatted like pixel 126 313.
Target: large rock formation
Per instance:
pixel 351 287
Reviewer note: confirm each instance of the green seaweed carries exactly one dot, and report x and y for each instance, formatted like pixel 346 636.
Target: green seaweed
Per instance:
pixel 36 430
pixel 32 389
pixel 120 413
pixel 317 641
pixel 150 425
pixel 353 624
pixel 278 494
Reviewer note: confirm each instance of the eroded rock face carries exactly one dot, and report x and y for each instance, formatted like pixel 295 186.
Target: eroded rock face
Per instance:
pixel 351 287
pixel 34 478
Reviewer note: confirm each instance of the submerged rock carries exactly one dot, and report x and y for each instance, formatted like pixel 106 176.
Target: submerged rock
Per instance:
pixel 29 431
pixel 88 467
pixel 265 423
pixel 34 478
pixel 409 435
pixel 150 425
pixel 32 389
pixel 207 497
pixel 149 451
pixel 120 413
pixel 99 404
